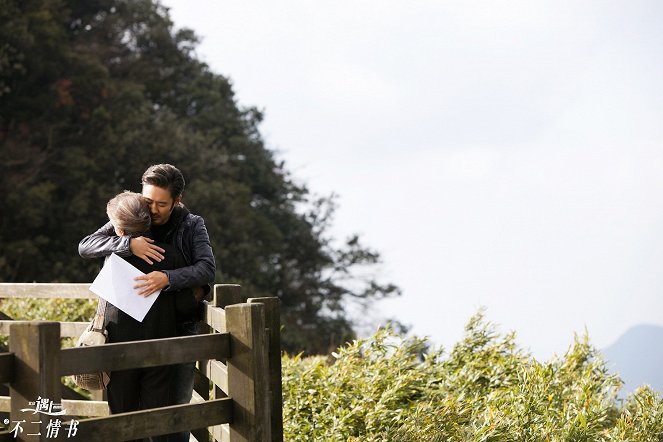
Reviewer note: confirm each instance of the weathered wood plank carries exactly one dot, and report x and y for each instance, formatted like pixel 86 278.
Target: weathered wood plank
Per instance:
pixel 75 407
pixel 200 433
pixel 196 398
pixel 247 373
pixel 7 362
pixel 273 324
pixel 227 294
pixel 215 317
pixel 45 290
pixel 201 394
pixel 220 433
pixel 140 424
pixel 200 383
pixel 85 408
pixel 217 372
pixel 150 353
pixel 67 329
pixel 36 347
pixel 72 329
pixel 4 326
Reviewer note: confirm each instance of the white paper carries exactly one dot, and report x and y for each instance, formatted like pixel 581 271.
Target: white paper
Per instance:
pixel 115 284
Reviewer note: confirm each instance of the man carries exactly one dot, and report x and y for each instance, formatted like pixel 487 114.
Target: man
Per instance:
pixel 172 223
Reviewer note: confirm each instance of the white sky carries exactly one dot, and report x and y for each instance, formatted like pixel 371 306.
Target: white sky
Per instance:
pixel 504 154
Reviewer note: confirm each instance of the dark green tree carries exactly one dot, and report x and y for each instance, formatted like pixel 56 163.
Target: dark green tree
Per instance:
pixel 93 92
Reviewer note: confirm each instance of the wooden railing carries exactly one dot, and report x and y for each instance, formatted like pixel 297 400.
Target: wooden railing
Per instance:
pixel 237 352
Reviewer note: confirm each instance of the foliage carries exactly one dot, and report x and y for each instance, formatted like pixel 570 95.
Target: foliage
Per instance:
pixel 486 389
pixel 91 93
pixel 55 309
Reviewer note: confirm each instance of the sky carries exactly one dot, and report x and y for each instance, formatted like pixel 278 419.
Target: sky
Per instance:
pixel 498 154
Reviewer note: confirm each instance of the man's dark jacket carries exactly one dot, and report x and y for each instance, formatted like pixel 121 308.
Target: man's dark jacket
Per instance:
pixel 191 239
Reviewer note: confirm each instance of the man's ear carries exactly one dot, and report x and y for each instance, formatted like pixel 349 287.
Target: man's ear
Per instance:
pixel 178 200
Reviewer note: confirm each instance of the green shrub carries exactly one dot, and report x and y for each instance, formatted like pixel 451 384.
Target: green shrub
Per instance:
pixel 52 309
pixel 366 393
pixel 486 389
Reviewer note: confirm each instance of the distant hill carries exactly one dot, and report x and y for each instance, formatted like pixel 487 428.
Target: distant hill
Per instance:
pixel 637 356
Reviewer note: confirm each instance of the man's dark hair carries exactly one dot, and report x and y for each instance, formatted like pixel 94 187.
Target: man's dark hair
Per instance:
pixel 165 176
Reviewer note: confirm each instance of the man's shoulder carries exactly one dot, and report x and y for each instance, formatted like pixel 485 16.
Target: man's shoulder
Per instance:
pixel 191 221
pixel 192 218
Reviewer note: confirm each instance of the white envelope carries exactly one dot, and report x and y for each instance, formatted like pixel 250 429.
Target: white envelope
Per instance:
pixel 115 284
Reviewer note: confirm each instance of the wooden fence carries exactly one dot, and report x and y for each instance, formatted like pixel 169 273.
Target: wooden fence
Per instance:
pixel 237 392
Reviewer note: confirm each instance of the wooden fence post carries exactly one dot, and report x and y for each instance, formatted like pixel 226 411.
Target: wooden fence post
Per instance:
pixel 36 348
pixel 273 324
pixel 247 373
pixel 227 294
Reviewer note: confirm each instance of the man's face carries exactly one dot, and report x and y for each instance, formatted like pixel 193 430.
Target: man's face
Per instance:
pixel 161 203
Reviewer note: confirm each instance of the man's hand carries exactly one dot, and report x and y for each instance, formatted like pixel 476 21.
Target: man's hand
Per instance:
pixel 151 283
pixel 143 248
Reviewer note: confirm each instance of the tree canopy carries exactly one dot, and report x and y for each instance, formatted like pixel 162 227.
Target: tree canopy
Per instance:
pixel 91 93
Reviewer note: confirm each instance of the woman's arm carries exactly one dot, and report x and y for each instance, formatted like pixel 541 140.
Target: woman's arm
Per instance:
pixel 103 242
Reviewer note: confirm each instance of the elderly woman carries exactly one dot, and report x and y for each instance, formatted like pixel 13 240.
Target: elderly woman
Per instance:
pixel 142 388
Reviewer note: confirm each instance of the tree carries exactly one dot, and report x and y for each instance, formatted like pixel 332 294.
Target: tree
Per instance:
pixel 91 93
